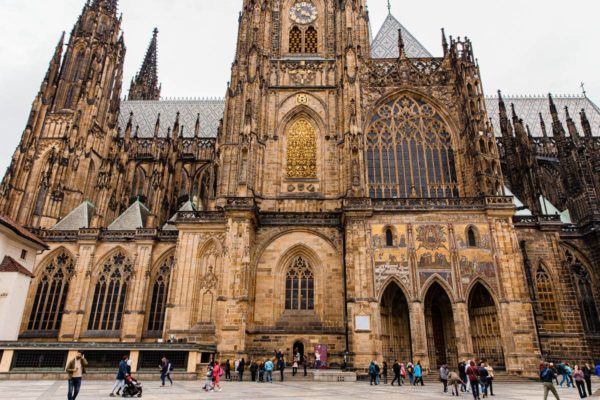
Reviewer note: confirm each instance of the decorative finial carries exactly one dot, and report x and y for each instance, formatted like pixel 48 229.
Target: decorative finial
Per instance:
pixel 389 7
pixel 583 89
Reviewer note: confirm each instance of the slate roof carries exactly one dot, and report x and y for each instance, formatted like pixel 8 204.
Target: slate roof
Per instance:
pixel 133 218
pixel 10 265
pixel 170 225
pixel 145 115
pixel 21 231
pixel 528 108
pixel 80 217
pixel 385 44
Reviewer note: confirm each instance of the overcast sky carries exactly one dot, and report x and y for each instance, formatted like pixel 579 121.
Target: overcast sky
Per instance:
pixel 524 46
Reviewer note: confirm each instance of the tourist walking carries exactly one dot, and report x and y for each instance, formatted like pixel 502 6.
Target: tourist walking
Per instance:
pixel 547 377
pixel 269 371
pixel 418 374
pixel 295 367
pixel 402 374
pixel 562 371
pixel 579 379
pixel 121 375
pixel 75 370
pixel 281 367
pixel 597 369
pixel 240 369
pixel 217 373
pixel 384 372
pixel 483 379
pixel 396 369
pixel 411 373
pixel 227 369
pixel 587 376
pixel 462 373
pixel 253 370
pixel 444 372
pixel 490 379
pixel 454 380
pixel 165 371
pixel 208 385
pixel 372 373
pixel 473 376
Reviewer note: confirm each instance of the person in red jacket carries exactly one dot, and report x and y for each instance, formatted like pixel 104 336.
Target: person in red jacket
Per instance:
pixel 473 375
pixel 217 372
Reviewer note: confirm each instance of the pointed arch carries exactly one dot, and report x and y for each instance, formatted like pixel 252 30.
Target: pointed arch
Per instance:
pixel 208 280
pixel 437 279
pixel 472 236
pixel 110 291
pixel 159 293
pixel 546 298
pixel 300 285
pixel 52 281
pixel 201 189
pixel 90 183
pixel 139 184
pixel 395 322
pixel 439 322
pixel 484 322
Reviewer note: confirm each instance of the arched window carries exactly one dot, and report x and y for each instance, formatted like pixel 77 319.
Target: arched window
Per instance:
pixel 302 150
pixel 110 294
pixel 51 294
pixel 160 293
pixel 41 199
pixel 584 290
pixel 201 190
pixel 472 237
pixel 139 185
pixel 311 41
pixel 409 152
pixel 295 40
pixel 90 183
pixel 299 286
pixel 389 237
pixel 546 299
pixel 184 187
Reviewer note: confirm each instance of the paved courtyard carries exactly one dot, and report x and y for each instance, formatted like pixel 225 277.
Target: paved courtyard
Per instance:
pixel 51 390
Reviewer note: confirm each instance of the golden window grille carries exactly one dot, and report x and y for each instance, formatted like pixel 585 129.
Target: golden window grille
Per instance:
pixel 295 40
pixel 302 150
pixel 311 41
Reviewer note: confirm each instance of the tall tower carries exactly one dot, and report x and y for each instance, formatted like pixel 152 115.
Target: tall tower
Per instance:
pixel 145 85
pixel 71 123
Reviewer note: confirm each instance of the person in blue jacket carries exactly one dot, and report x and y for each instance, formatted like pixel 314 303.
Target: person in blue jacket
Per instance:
pixel 121 375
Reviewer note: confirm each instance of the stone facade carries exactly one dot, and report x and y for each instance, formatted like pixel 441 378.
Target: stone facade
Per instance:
pixel 346 201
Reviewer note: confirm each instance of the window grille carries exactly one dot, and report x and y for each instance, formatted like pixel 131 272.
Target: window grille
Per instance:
pixel 311 41
pixel 295 40
pixel 152 359
pixel 39 359
pixel 300 286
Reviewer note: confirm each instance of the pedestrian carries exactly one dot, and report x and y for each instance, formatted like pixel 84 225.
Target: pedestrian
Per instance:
pixel 547 378
pixel 444 372
pixel 587 376
pixel 261 372
pixel 75 370
pixel 165 371
pixel 597 369
pixel 402 374
pixel 240 369
pixel 208 385
pixel 227 370
pixel 490 380
pixel 372 374
pixel 384 372
pixel 217 373
pixel 483 379
pixel 579 379
pixel 411 373
pixel 253 370
pixel 121 375
pixel 563 373
pixel 281 367
pixel 305 365
pixel 269 371
pixel 454 380
pixel 396 369
pixel 473 376
pixel 418 374
pixel 569 372
pixel 295 367
pixel 462 373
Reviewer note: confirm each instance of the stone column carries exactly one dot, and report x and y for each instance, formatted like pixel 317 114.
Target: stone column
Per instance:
pixel 137 296
pixel 462 329
pixel 418 333
pixel 6 361
pixel 134 356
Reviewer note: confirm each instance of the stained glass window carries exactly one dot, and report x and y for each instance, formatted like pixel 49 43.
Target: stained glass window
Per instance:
pixel 51 294
pixel 160 293
pixel 302 150
pixel 110 294
pixel 409 152
pixel 546 299
pixel 299 286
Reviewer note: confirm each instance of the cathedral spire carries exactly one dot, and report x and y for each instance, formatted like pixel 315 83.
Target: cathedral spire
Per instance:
pixel 145 85
pixel 110 6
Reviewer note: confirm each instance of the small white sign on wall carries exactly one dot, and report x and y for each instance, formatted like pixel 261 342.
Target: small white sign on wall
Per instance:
pixel 362 323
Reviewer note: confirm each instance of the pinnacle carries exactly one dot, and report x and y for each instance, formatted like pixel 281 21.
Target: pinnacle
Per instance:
pixel 145 85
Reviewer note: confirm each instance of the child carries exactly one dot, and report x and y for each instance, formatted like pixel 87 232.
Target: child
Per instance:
pixel 208 386
pixel 454 380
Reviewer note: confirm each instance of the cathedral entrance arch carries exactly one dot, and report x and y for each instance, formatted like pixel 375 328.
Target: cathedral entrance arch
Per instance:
pixel 298 349
pixel 485 327
pixel 439 320
pixel 395 325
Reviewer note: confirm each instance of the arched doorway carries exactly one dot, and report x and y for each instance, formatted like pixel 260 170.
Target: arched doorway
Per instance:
pixel 298 349
pixel 439 320
pixel 395 325
pixel 485 327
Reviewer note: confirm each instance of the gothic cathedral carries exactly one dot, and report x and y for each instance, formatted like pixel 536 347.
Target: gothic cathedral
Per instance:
pixel 350 194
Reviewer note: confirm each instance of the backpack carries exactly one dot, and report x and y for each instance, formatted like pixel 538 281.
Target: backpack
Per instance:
pixel 410 370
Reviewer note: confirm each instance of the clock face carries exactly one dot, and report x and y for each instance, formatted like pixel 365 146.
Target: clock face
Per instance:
pixel 303 12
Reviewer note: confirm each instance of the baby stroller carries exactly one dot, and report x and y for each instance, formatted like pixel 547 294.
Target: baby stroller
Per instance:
pixel 132 387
